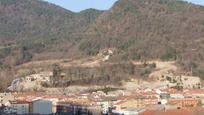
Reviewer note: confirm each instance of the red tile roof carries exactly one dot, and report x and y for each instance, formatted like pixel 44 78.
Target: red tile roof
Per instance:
pixel 20 102
pixel 168 112
pixel 120 102
pixel 194 91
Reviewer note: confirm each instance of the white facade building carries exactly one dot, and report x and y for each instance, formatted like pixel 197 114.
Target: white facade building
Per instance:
pixel 17 107
pixel 176 96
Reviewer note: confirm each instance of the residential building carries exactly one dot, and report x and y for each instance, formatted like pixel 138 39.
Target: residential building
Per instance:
pixel 130 103
pixel 18 107
pixel 41 106
pixel 65 108
pixel 183 102
pixel 176 96
pixel 178 111
pixel 128 111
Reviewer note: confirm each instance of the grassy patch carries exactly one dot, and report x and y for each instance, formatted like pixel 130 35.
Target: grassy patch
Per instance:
pixel 170 53
pixel 200 73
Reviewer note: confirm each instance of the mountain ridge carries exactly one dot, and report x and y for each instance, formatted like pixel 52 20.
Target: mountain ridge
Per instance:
pixel 137 29
pixel 37 10
pixel 152 21
pixel 36 26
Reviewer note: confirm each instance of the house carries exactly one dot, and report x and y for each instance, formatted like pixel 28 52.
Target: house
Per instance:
pixel 150 101
pixel 130 103
pixel 42 77
pixel 64 108
pixel 166 112
pixel 178 111
pixel 128 111
pixel 41 106
pixel 164 95
pixel 194 92
pixel 183 102
pixel 149 94
pixel 21 107
pixel 70 108
pixel 176 96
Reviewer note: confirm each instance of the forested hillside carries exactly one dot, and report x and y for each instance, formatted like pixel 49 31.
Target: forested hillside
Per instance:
pixel 33 30
pixel 33 26
pixel 151 29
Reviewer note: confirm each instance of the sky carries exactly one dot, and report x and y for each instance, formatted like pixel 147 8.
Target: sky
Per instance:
pixel 79 5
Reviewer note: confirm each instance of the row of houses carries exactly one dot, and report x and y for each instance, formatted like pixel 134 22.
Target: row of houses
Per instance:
pixel 44 107
pixel 27 107
pixel 96 102
pixel 158 100
pixel 175 111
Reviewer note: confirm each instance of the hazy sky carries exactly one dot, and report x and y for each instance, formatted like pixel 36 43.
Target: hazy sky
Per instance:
pixel 78 5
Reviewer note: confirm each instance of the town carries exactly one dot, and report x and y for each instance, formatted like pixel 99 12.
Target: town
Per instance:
pixel 101 57
pixel 140 102
pixel 165 94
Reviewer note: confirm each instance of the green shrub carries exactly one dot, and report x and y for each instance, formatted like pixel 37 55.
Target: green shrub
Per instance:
pixel 124 45
pixel 5 52
pixel 136 56
pixel 4 66
pixel 153 65
pixel 145 72
pixel 203 23
pixel 200 73
pixel 24 56
pixel 90 48
pixel 107 89
pixel 170 53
